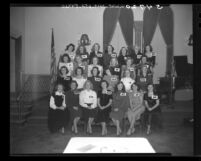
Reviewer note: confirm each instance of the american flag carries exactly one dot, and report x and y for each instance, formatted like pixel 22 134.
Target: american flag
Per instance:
pixel 53 68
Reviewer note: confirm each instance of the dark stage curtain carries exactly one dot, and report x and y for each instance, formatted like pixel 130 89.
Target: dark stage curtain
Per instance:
pixel 110 18
pixel 166 23
pixel 126 22
pixel 150 18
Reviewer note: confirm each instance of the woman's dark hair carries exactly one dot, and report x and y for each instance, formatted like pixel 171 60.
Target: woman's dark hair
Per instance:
pixel 73 81
pixel 106 50
pixel 65 55
pixel 154 89
pixel 138 87
pixel 78 49
pixel 82 70
pixel 98 71
pixel 67 71
pixel 123 89
pixel 151 49
pixel 56 87
pixel 93 47
pixel 104 81
pixel 120 52
pixel 69 46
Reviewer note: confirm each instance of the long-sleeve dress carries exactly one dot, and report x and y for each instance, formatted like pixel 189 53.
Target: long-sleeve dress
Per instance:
pixel 103 115
pixel 57 118
pixel 72 100
pixel 122 103
pixel 88 102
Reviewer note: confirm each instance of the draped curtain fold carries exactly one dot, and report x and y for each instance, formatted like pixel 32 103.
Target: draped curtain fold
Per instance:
pixel 150 18
pixel 110 18
pixel 166 24
pixel 126 22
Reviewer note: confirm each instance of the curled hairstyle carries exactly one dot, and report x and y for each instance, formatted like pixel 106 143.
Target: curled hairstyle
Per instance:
pixel 56 87
pixel 93 47
pixel 63 67
pixel 117 63
pixel 151 48
pixel 106 50
pixel 120 52
pixel 69 46
pixel 73 81
pixel 116 87
pixel 82 70
pixel 65 55
pixel 78 49
pixel 98 71
pixel 91 85
pixel 138 88
pixel 104 81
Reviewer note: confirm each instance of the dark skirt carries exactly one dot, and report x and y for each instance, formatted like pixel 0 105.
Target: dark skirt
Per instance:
pixel 154 117
pixel 103 115
pixel 87 113
pixel 57 119
pixel 75 113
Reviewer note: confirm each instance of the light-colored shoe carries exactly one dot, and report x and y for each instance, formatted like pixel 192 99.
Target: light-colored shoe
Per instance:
pixel 129 131
pixel 133 130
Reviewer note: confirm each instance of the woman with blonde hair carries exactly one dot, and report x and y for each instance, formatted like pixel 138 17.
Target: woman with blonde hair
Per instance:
pixel 88 102
pixel 95 52
pixel 136 107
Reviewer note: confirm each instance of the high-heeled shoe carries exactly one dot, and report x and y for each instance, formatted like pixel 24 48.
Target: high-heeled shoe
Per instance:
pixel 128 132
pixel 62 130
pixel 148 130
pixel 133 130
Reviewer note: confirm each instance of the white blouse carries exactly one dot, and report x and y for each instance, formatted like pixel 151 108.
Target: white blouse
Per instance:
pixel 52 102
pixel 80 82
pixel 127 81
pixel 86 97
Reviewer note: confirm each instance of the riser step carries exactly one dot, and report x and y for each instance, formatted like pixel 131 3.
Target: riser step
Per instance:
pixel 15 116
pixel 17 121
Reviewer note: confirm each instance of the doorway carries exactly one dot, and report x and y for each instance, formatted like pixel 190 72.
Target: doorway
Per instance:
pixel 15 64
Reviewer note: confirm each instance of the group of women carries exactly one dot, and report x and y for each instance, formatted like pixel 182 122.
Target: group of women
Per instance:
pixel 103 86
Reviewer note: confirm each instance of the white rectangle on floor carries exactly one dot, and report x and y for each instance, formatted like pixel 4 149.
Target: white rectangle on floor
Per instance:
pixel 108 145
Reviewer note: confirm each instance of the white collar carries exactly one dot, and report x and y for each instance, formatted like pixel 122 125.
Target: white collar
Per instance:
pixel 58 93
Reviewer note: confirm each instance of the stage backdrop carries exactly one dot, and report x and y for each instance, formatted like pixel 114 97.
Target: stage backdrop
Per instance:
pixel 35 23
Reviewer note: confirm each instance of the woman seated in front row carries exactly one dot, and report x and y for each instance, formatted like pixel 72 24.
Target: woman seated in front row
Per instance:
pixel 57 114
pixel 72 103
pixel 152 105
pixel 136 107
pixel 88 102
pixel 120 106
pixel 104 106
